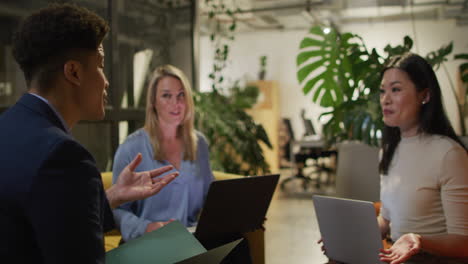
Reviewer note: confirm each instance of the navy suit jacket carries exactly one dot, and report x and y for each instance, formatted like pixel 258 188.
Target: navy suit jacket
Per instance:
pixel 53 207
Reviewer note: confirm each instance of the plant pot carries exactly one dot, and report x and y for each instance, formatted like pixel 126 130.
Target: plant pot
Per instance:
pixel 357 175
pixel 261 75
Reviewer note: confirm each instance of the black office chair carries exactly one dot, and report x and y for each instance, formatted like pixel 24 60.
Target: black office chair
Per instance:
pixel 323 152
pixel 314 153
pixel 309 127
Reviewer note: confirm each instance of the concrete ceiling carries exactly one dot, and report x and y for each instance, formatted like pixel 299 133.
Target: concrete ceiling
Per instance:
pixel 257 15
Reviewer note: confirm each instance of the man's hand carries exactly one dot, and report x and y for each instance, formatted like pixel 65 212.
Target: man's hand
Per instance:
pixel 405 247
pixel 131 186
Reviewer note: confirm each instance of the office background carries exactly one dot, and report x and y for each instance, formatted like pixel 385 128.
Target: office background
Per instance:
pixel 148 33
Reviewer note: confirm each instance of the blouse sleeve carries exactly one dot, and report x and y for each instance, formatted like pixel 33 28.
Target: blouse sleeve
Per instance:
pixel 454 190
pixel 131 226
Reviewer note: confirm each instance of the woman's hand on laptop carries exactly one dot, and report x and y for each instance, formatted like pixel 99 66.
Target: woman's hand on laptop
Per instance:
pixel 405 247
pixel 156 225
pixel 320 241
pixel 330 261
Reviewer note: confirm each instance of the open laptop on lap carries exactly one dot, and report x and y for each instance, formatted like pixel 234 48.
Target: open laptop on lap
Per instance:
pixel 349 230
pixel 233 207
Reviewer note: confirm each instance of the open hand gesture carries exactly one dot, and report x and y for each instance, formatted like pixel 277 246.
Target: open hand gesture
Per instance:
pixel 132 185
pixel 405 247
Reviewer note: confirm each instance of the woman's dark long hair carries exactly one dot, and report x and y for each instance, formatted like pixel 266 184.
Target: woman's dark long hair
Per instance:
pixel 433 119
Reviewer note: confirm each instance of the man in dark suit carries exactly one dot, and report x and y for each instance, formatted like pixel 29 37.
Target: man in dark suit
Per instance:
pixel 53 208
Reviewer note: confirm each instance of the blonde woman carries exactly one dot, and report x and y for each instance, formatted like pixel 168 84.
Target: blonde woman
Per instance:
pixel 167 138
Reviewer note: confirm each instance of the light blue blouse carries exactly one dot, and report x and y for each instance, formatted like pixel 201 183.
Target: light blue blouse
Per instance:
pixel 182 199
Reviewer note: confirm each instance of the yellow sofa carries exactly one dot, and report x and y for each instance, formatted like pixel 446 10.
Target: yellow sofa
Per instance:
pixel 255 239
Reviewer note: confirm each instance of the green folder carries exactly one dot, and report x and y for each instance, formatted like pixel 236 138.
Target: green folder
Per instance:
pixel 212 256
pixel 169 244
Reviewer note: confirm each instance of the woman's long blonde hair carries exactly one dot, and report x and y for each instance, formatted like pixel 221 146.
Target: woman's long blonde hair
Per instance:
pixel 185 130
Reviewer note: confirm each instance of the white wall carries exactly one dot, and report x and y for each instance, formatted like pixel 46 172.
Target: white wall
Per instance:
pixel 281 48
pixel 181 54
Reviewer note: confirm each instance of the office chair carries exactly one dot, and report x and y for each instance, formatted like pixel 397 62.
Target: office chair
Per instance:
pixel 309 127
pixel 323 152
pixel 310 149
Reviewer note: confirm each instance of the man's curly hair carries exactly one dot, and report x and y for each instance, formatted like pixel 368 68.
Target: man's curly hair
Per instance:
pixel 50 36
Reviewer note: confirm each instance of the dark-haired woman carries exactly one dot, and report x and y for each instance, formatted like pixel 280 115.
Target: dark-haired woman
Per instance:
pixel 424 169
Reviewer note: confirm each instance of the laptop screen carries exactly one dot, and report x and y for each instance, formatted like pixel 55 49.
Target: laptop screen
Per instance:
pixel 233 207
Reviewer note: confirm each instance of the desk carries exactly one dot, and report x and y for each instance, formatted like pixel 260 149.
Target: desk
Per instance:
pixel 305 144
pixel 310 143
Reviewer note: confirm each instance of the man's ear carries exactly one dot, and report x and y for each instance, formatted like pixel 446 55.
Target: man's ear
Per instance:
pixel 72 70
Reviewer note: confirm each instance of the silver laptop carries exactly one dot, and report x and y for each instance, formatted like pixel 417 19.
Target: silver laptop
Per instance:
pixel 349 230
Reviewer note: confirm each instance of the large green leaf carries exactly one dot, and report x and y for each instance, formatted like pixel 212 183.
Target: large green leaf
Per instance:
pixel 436 58
pixel 312 82
pixel 309 42
pixel 323 62
pixel 304 56
pixel 400 49
pixel 305 71
pixel 463 67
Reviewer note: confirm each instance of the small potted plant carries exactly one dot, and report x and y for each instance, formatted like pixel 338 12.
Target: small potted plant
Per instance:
pixel 262 72
pixel 233 135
